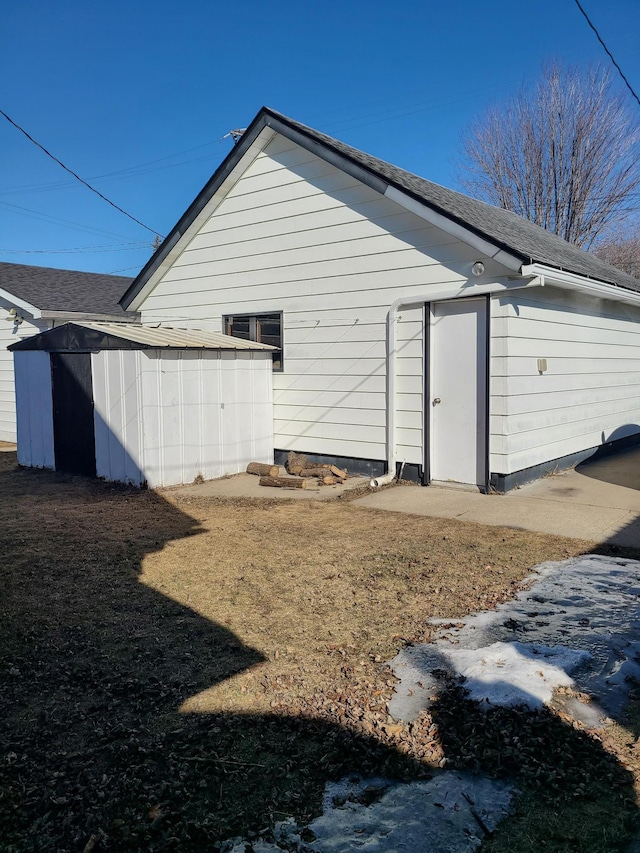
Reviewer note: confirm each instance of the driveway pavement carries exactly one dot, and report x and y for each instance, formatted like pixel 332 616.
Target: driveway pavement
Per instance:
pixel 598 501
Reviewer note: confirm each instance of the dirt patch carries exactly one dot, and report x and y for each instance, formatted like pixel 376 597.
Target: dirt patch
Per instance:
pixel 179 670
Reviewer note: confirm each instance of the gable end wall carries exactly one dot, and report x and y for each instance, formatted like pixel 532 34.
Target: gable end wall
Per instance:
pixel 295 234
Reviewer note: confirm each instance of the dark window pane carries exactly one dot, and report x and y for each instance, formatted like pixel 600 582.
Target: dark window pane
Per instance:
pixel 268 327
pixel 240 327
pixel 262 328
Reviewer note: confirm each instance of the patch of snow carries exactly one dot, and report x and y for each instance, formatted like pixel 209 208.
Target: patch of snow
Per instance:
pixel 515 673
pixel 450 813
pixel 577 625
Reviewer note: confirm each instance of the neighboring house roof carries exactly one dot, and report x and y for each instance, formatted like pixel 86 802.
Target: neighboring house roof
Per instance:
pixel 98 336
pixel 503 229
pixel 65 291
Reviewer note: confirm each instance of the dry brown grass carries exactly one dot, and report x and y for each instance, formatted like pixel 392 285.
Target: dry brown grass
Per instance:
pixel 324 590
pixel 213 662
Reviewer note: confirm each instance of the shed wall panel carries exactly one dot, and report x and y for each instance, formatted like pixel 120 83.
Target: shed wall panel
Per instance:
pixel 204 414
pixel 165 417
pixel 117 425
pixel 34 406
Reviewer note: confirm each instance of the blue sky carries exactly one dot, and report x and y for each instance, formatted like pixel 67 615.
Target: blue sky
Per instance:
pixel 135 97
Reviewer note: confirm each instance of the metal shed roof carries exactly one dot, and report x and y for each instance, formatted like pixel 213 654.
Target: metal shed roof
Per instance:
pixel 72 337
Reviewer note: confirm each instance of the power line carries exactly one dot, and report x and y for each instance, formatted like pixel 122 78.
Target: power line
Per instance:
pixel 67 223
pixel 120 174
pixel 112 247
pixel 607 51
pixel 76 176
pixel 125 269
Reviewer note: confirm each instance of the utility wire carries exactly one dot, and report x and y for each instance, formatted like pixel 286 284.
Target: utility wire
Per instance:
pixel 71 172
pixel 607 51
pixel 46 217
pixel 129 247
pixel 125 269
pixel 121 174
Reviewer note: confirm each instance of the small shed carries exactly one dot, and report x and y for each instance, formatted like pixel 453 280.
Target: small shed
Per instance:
pixel 142 405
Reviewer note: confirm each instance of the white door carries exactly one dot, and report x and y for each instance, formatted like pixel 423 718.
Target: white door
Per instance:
pixel 458 391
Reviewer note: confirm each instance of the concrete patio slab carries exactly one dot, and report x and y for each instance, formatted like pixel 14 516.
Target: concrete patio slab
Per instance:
pixel 248 486
pixel 598 502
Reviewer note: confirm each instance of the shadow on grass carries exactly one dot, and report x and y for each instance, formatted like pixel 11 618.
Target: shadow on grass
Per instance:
pixel 574 795
pixel 95 666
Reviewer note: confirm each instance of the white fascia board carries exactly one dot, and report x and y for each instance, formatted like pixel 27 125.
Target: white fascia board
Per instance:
pixel 572 281
pixel 21 303
pixel 183 240
pixel 454 229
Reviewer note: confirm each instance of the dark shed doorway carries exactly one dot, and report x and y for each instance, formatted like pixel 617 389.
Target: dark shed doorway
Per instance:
pixel 73 428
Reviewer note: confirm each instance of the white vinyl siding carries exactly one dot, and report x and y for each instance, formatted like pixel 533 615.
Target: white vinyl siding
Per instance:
pixel 297 235
pixel 10 334
pixel 590 392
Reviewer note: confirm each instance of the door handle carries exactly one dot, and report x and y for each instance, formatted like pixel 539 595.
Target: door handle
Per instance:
pixel 435 401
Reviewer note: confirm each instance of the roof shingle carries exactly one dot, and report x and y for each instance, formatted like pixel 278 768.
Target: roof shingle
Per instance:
pixel 65 290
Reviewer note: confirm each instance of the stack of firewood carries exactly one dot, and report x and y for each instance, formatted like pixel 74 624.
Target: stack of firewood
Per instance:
pixel 303 474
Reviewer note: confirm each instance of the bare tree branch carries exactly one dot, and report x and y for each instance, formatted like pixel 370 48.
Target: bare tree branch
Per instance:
pixel 622 252
pixel 564 155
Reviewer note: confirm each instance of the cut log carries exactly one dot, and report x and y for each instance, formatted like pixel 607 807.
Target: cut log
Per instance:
pixel 286 483
pixel 328 481
pixel 341 474
pixel 263 470
pixel 313 472
pixel 295 460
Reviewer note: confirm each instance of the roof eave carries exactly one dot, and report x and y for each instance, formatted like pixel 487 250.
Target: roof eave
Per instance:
pixel 572 281
pixel 73 337
pixel 21 303
pixel 456 228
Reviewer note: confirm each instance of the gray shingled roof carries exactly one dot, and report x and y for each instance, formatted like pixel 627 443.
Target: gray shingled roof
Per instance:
pixel 65 290
pixel 513 233
pixel 506 230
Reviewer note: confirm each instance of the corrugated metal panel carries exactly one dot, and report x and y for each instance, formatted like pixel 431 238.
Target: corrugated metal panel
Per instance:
pixel 166 336
pixel 165 417
pixel 117 416
pixel 34 409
